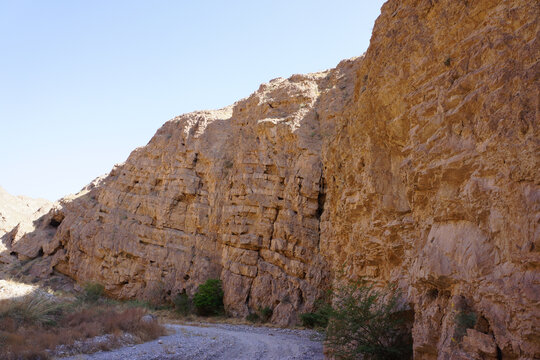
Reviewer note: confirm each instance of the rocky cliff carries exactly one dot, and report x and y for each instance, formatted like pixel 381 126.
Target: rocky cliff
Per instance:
pixel 416 164
pixel 433 178
pixel 235 194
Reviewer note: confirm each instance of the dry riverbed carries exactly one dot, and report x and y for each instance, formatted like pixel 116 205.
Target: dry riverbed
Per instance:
pixel 221 342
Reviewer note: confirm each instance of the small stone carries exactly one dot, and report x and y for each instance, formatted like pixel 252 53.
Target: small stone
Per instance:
pixel 148 318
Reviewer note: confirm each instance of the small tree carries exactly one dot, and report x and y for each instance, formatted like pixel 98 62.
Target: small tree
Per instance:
pixel 365 321
pixel 208 299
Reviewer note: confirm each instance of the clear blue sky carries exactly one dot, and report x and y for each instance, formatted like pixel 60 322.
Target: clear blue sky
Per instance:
pixel 83 83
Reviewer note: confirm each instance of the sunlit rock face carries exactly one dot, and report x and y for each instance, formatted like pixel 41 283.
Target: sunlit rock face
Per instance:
pixel 433 177
pixel 17 217
pixel 235 194
pixel 415 164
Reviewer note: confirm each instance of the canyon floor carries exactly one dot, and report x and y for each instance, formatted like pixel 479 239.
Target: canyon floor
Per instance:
pixel 193 339
pixel 222 341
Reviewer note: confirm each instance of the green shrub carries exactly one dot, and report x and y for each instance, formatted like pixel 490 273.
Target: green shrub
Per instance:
pixel 208 299
pixel 319 317
pixel 464 320
pixel 182 304
pixel 253 317
pixel 265 313
pixel 92 292
pixel 365 322
pixel 262 315
pixel 314 320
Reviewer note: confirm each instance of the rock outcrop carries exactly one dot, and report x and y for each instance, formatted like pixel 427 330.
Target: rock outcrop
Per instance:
pixel 433 178
pixel 17 217
pixel 415 164
pixel 235 194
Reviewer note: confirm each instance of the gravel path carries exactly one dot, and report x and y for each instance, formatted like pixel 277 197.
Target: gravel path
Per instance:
pixel 222 342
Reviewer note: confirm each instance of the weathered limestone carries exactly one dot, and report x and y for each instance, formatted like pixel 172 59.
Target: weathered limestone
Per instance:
pixel 433 178
pixel 415 164
pixel 234 194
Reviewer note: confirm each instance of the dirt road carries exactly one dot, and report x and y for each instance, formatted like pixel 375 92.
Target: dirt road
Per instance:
pixel 222 342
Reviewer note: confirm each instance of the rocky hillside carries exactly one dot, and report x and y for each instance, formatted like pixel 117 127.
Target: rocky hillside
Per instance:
pixel 416 164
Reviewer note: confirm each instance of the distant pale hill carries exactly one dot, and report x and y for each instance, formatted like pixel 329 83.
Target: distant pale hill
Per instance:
pixel 18 211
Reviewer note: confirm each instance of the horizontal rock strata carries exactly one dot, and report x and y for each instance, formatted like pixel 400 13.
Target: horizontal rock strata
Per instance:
pixel 235 194
pixel 433 178
pixel 415 164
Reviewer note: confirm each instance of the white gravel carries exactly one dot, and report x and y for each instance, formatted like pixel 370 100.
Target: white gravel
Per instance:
pixel 222 342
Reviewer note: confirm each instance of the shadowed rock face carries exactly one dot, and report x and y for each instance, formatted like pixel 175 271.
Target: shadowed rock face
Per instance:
pixel 416 164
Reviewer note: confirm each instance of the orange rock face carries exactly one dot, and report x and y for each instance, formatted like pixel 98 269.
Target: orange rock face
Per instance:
pixel 416 164
pixel 235 194
pixel 433 178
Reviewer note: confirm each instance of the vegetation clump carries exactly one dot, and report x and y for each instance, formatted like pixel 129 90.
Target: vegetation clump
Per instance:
pixel 38 308
pixel 208 299
pixel 321 314
pixel 464 320
pixel 253 317
pixel 262 315
pixel 182 304
pixel 92 292
pixel 318 319
pixel 363 322
pixel 265 313
pixel 33 326
pixel 314 320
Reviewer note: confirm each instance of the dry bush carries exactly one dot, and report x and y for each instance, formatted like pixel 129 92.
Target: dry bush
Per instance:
pixel 30 328
pixel 130 321
pixel 36 307
pixel 368 323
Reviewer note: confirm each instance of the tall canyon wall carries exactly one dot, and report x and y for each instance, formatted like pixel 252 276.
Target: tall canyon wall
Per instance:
pixel 415 164
pixel 433 177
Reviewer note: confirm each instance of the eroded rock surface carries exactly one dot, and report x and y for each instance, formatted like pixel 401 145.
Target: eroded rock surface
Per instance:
pixel 415 164
pixel 234 194
pixel 433 179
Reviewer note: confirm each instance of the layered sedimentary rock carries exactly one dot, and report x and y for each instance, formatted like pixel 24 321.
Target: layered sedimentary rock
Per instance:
pixel 234 194
pixel 433 178
pixel 415 164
